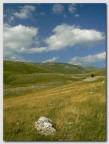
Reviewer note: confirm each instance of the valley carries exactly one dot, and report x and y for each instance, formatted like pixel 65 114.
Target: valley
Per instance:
pixel 59 92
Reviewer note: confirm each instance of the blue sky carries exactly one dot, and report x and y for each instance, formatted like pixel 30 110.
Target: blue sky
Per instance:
pixel 69 33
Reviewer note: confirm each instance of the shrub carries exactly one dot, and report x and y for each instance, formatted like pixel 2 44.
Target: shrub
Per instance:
pixel 92 75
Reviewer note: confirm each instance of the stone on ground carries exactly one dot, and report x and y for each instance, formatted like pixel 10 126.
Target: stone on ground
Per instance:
pixel 45 126
pixel 89 79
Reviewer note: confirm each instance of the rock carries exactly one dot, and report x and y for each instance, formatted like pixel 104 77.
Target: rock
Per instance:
pixel 89 79
pixel 45 126
pixel 51 104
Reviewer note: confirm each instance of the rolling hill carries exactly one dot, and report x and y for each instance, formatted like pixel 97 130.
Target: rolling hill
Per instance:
pixel 22 67
pixel 59 92
pixel 78 113
pixel 27 68
pixel 42 75
pixel 66 68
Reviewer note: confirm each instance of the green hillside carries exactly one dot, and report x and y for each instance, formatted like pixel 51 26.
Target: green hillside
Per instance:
pixel 23 74
pixel 22 67
pixel 57 91
pixel 77 111
pixel 27 68
pixel 30 79
pixel 66 68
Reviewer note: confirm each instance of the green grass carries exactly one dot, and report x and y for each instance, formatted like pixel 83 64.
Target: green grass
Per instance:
pixel 30 79
pixel 78 114
pixel 20 74
pixel 22 67
pixel 17 85
pixel 77 108
pixel 67 68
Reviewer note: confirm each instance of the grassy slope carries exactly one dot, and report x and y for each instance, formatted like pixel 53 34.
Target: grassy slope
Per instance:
pixel 79 114
pixel 66 68
pixel 22 67
pixel 32 77
pixel 21 73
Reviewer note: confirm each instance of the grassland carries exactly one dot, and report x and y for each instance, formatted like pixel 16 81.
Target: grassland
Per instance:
pixel 77 108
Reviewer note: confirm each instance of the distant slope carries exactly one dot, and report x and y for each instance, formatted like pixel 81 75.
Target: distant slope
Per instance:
pixel 63 68
pixel 67 68
pixel 18 74
pixel 34 79
pixel 22 67
pixel 28 68
pixel 20 71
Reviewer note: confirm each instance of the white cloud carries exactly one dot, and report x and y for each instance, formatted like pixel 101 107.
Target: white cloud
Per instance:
pixel 58 8
pixel 72 8
pixel 88 59
pixel 11 55
pixel 51 60
pixel 24 39
pixel 19 36
pixel 16 58
pixel 18 39
pixel 24 12
pixel 68 36
pixel 35 50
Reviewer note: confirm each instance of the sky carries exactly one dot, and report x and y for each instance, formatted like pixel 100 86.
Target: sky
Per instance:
pixel 67 33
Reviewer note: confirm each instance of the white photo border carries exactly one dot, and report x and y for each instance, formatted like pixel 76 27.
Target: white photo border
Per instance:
pixel 1 58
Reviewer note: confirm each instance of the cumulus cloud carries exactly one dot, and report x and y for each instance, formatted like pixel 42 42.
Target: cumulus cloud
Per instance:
pixel 24 12
pixel 68 36
pixel 88 59
pixel 35 50
pixel 19 36
pixel 24 39
pixel 51 60
pixel 58 8
pixel 18 39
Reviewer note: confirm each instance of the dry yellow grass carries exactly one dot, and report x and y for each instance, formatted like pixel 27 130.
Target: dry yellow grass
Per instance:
pixel 77 109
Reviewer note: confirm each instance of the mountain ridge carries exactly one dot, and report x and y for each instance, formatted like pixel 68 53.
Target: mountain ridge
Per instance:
pixel 49 67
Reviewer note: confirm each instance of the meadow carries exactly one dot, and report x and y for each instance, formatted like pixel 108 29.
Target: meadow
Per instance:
pixel 77 108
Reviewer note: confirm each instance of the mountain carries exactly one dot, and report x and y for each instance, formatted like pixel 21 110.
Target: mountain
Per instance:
pixel 22 67
pixel 18 73
pixel 65 68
